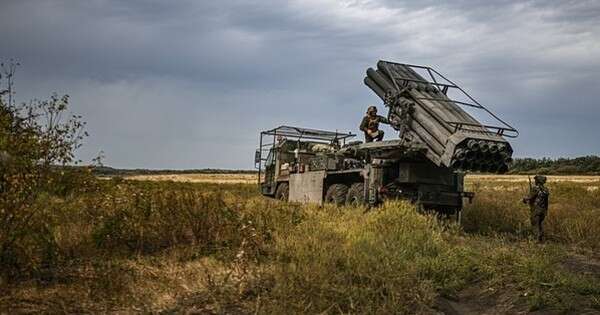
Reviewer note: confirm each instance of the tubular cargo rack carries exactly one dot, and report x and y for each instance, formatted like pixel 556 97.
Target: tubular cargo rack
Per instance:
pixel 295 133
pixel 306 133
pixel 504 130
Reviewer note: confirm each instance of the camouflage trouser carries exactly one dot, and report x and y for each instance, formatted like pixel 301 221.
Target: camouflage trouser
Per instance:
pixel 379 136
pixel 537 222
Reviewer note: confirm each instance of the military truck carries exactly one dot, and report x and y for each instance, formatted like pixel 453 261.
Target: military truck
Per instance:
pixel 438 142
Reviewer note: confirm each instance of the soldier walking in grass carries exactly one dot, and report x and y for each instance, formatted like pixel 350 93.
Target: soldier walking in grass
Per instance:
pixel 370 125
pixel 538 205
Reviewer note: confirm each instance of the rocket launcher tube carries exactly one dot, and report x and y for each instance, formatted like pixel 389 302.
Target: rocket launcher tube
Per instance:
pixel 384 73
pixel 427 120
pixel 438 108
pixel 408 73
pixel 429 124
pixel 457 113
pixel 376 88
pixel 484 146
pixel 460 154
pixel 380 80
pixel 426 137
pixel 493 148
pixel 473 145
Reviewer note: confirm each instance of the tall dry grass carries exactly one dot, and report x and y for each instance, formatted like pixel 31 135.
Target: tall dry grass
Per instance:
pixel 345 261
pixel 91 251
pixel 144 246
pixel 119 218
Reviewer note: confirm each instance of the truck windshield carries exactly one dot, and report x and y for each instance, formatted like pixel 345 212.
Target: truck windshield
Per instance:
pixel 270 158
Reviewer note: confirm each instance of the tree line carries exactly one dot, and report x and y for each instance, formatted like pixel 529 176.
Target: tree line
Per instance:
pixel 584 165
pixel 110 171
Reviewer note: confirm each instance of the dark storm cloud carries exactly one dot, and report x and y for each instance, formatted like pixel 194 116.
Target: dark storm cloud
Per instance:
pixel 190 83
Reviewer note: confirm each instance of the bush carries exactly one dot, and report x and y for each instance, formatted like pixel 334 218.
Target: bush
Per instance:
pixel 34 138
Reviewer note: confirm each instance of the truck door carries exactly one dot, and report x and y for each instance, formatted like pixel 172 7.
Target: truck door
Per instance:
pixel 268 186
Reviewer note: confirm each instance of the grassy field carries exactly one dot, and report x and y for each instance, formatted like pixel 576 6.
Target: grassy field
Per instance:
pixel 251 178
pixel 151 246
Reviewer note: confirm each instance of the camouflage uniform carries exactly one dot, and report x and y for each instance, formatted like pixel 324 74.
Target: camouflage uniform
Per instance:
pixel 370 124
pixel 538 205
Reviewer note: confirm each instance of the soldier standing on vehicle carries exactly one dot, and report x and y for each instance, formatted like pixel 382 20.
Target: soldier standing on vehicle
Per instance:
pixel 370 125
pixel 538 204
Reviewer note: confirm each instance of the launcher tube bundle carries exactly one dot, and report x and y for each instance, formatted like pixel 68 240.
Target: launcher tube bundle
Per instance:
pixel 427 115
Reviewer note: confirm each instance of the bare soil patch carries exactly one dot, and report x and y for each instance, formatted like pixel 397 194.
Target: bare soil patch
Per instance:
pixel 479 299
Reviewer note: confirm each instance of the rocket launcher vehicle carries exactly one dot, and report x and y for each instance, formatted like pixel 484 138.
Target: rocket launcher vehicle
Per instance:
pixel 427 114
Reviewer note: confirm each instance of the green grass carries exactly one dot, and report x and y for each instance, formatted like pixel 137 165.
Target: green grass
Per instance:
pixel 152 246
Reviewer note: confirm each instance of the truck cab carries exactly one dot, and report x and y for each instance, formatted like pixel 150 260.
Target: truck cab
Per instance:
pixel 287 150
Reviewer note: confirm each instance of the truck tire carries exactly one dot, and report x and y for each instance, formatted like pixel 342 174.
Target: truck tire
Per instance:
pixel 356 195
pixel 283 192
pixel 336 194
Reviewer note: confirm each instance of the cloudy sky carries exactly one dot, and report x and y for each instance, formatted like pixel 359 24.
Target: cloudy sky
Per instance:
pixel 189 84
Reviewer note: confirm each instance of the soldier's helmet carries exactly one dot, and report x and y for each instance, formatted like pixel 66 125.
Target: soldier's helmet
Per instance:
pixel 539 179
pixel 372 109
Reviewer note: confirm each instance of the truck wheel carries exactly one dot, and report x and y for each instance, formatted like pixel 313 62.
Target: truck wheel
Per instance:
pixel 356 195
pixel 336 194
pixel 283 192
